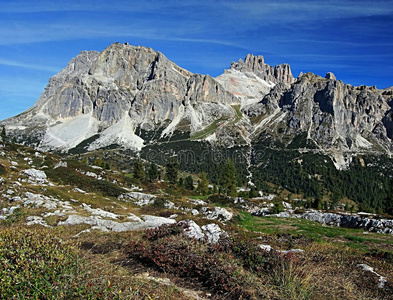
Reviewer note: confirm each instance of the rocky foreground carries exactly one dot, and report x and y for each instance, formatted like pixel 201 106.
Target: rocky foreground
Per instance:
pixel 152 235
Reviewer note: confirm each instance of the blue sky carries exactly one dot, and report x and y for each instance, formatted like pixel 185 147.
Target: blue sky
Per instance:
pixel 352 39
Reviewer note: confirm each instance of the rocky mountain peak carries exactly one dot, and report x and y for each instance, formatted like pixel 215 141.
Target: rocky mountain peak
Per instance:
pixel 109 98
pixel 256 64
pixel 330 76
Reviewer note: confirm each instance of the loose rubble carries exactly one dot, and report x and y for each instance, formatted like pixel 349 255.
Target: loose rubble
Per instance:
pixel 138 198
pixel 98 223
pixel 335 219
pixel 219 213
pixel 211 232
pixel 382 280
pixel 35 176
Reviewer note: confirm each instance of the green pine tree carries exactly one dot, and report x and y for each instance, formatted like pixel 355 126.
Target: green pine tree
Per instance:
pixel 153 172
pixel 317 204
pixel 172 170
pixel 228 179
pixel 189 183
pixel 203 185
pixel 138 170
pixel 3 134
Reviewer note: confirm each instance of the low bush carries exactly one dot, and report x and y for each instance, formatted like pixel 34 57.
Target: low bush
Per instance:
pixel 67 175
pixel 35 264
pixel 3 170
pixel 235 267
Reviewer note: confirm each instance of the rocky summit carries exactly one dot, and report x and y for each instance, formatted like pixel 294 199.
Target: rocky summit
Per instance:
pixel 112 97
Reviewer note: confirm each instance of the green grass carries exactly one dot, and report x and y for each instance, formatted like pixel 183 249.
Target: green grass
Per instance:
pixel 238 116
pixel 201 197
pixel 207 131
pixel 213 126
pixel 353 238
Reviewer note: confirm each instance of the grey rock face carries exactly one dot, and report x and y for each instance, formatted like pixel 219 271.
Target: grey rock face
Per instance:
pixel 125 86
pixel 140 199
pixel 36 176
pixel 192 229
pixel 106 96
pixel 337 117
pixel 349 221
pixel 256 64
pixel 213 233
pixel 219 213
pixel 109 225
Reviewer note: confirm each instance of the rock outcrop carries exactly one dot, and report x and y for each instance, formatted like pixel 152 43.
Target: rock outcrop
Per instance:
pixel 119 95
pixel 342 220
pixel 106 96
pixel 210 232
pixel 256 65
pixel 336 118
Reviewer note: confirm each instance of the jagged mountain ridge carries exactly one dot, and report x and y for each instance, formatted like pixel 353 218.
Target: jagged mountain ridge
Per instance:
pixel 106 96
pixel 115 91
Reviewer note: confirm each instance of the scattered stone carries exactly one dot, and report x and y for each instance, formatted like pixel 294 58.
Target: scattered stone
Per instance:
pixel 283 214
pixel 79 190
pixel 197 202
pixel 269 197
pixel 55 213
pixel 260 212
pixel 91 174
pixel 39 155
pixel 140 199
pixel 36 220
pixel 109 225
pixel 219 213
pixel 62 164
pixel 99 212
pixel 286 205
pixel 267 248
pixel 238 200
pixel 36 176
pixel 15 199
pixel 134 218
pixel 213 232
pixel 39 200
pixel 194 212
pixel 193 230
pixel 5 212
pixel 382 280
pixel 169 204
pixel 290 251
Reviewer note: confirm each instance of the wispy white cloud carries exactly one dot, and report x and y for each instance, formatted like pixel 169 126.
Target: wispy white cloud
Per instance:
pixel 14 63
pixel 309 10
pixel 307 31
pixel 20 86
pixel 39 6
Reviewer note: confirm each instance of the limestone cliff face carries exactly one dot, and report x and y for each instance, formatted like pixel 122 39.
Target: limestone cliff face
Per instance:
pixel 256 64
pixel 337 117
pixel 106 96
pixel 133 86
